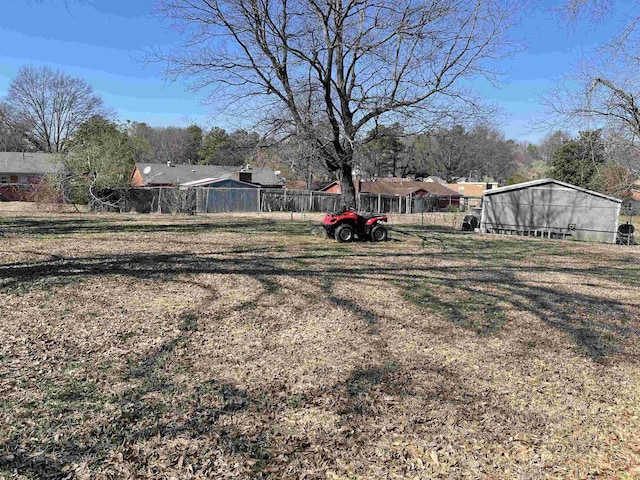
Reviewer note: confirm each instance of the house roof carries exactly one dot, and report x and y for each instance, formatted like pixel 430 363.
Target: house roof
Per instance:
pixel 214 181
pixel 28 163
pixel 198 183
pixel 316 185
pixel 174 174
pixel 328 186
pixel 468 189
pixel 544 181
pixel 404 187
pixel 434 178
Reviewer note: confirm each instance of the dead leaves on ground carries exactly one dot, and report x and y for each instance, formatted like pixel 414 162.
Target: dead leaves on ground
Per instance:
pixel 247 352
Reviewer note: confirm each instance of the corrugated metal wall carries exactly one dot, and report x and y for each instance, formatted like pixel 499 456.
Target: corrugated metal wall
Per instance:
pixel 223 200
pixel 551 210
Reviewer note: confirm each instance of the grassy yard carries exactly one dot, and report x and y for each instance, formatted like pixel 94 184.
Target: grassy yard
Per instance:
pixel 243 347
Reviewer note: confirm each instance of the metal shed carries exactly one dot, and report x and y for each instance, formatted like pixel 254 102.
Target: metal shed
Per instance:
pixel 552 209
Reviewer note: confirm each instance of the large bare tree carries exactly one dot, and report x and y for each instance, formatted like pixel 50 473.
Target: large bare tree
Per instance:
pixel 604 90
pixel 447 153
pixel 49 106
pixel 338 63
pixel 11 134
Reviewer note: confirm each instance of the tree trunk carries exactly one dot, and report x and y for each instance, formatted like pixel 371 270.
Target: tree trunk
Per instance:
pixel 346 184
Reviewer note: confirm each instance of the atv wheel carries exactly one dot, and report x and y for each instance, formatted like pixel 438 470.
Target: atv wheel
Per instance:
pixel 379 233
pixel 344 233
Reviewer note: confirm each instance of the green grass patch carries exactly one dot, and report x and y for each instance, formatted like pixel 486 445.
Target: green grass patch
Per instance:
pixel 189 322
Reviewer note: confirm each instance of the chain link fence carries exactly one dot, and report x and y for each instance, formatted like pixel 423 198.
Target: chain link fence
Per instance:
pixel 236 200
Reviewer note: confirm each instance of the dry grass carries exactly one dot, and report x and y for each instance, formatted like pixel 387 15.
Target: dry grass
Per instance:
pixel 242 347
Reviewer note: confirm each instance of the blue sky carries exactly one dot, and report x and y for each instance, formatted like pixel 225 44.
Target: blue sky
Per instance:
pixel 104 42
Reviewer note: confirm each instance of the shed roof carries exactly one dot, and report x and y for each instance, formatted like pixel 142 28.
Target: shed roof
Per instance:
pixel 177 174
pixel 28 163
pixel 199 183
pixel 544 181
pixel 213 181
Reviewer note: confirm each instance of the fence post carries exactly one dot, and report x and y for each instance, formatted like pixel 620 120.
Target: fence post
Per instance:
pixel 311 200
pixel 259 204
pixel 159 199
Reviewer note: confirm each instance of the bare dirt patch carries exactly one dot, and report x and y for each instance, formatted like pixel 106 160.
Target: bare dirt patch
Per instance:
pixel 242 347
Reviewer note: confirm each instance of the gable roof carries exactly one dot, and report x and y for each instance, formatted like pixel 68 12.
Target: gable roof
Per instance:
pixel 434 178
pixel 175 174
pixel 328 186
pixel 404 187
pixel 28 163
pixel 467 189
pixel 544 181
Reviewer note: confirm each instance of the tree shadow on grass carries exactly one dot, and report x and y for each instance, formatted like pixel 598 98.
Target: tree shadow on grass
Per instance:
pixel 478 300
pixel 369 317
pixel 362 382
pixel 142 417
pixel 474 298
pixel 58 227
pixel 367 391
pixel 596 325
pixel 444 395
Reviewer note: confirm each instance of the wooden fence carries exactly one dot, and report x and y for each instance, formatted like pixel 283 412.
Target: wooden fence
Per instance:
pixel 221 200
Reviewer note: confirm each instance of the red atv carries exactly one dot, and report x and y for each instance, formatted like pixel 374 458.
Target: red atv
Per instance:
pixel 347 225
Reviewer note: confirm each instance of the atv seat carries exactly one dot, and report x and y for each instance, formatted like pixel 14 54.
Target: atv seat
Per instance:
pixel 370 215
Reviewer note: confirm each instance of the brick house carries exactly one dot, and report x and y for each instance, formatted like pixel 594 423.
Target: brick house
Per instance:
pixel 21 173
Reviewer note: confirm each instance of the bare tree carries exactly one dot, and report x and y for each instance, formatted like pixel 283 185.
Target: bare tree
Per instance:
pixel 447 153
pixel 550 143
pixel 169 144
pixel 491 154
pixel 624 153
pixel 11 132
pixel 301 161
pixel 604 90
pixel 342 63
pixel 597 10
pixel 51 105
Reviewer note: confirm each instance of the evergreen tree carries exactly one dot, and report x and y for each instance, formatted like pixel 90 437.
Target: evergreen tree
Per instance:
pixel 577 160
